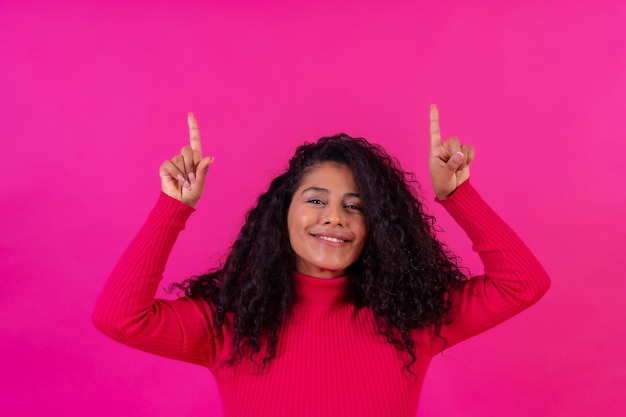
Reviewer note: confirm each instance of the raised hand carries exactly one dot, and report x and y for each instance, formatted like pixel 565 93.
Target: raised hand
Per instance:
pixel 448 161
pixel 183 176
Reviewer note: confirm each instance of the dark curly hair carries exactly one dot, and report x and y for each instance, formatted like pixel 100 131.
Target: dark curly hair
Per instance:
pixel 404 274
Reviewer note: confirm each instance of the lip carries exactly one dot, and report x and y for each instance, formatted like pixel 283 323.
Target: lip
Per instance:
pixel 320 238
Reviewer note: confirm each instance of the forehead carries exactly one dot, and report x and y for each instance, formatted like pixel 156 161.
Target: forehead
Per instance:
pixel 330 175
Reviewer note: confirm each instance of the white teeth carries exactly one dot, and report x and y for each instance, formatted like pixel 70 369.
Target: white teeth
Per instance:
pixel 331 239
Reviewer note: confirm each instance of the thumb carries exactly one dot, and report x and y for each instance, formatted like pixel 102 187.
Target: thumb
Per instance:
pixel 202 169
pixel 455 162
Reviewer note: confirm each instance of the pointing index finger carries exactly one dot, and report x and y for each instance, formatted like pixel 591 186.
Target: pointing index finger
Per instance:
pixel 435 133
pixel 194 135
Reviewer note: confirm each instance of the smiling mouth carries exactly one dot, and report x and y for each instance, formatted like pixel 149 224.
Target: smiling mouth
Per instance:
pixel 331 239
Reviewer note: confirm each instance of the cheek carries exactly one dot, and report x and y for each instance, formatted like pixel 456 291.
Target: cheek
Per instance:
pixel 291 220
pixel 361 232
pixel 291 233
pixel 296 225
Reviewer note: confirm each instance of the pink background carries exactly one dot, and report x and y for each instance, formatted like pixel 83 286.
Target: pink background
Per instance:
pixel 94 97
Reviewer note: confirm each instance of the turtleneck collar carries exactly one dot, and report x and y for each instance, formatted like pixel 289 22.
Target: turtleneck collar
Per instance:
pixel 319 292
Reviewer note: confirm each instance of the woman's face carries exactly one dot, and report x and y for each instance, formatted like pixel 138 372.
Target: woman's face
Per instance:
pixel 327 226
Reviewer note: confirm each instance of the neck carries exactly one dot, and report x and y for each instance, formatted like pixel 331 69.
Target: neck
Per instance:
pixel 319 292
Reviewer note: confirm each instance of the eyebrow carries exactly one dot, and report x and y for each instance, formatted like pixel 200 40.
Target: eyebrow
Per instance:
pixel 326 191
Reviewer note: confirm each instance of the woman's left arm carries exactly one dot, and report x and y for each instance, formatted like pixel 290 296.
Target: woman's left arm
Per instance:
pixel 513 278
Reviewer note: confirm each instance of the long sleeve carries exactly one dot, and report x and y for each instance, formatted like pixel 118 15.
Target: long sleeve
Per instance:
pixel 513 278
pixel 127 310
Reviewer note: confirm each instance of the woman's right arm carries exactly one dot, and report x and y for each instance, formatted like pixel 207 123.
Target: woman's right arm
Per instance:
pixel 126 309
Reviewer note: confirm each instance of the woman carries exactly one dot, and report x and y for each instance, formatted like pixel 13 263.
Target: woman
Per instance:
pixel 336 294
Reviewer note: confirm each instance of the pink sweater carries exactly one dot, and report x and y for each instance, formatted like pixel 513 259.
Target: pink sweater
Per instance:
pixel 329 362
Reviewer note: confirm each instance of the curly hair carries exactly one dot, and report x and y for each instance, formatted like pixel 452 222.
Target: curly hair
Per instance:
pixel 404 274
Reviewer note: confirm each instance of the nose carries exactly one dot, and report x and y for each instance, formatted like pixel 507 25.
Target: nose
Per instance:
pixel 333 214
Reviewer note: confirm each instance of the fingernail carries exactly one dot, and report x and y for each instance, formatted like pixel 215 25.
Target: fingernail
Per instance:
pixel 180 178
pixel 192 177
pixel 190 114
pixel 187 185
pixel 211 160
pixel 458 157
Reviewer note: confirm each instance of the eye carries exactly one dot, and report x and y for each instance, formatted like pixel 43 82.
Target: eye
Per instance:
pixel 352 206
pixel 315 201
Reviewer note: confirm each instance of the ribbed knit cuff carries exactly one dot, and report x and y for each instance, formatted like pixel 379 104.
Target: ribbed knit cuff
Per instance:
pixel 170 212
pixel 473 214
